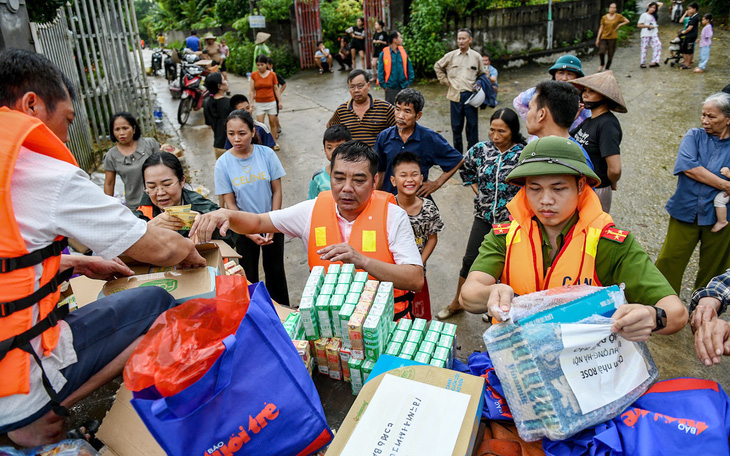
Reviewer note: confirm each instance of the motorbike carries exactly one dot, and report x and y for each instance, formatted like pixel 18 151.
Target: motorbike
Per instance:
pixel 677 10
pixel 156 61
pixel 170 68
pixel 193 94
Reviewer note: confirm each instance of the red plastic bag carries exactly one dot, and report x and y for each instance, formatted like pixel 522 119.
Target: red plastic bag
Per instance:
pixel 185 341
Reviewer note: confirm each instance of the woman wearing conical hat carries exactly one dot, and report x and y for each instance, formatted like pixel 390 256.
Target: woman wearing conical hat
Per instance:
pixel 600 135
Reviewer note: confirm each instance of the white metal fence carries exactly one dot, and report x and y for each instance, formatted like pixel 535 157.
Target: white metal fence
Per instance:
pixel 96 45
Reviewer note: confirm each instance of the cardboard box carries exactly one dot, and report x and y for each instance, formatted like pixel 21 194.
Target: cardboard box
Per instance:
pixel 442 378
pixel 182 285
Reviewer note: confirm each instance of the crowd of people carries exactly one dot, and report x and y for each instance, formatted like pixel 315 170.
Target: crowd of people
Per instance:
pixel 541 206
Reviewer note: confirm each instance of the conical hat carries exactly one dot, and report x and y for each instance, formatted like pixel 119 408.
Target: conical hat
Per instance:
pixel 604 83
pixel 261 37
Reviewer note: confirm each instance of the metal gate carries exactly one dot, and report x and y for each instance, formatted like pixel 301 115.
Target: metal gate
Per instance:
pixel 96 44
pixel 374 10
pixel 309 30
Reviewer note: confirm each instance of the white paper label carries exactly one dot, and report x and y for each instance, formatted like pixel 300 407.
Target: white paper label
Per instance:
pixel 600 366
pixel 409 418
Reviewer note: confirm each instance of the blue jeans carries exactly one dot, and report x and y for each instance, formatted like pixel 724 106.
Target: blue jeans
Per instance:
pixel 101 331
pixel 704 56
pixel 459 111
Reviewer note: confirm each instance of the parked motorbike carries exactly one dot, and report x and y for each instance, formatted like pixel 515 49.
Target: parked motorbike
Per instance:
pixel 677 10
pixel 193 94
pixel 156 61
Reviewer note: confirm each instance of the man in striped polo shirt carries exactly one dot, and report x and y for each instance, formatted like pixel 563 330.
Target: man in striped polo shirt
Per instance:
pixel 364 116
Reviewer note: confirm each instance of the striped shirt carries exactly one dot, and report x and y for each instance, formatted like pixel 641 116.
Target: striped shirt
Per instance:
pixel 377 118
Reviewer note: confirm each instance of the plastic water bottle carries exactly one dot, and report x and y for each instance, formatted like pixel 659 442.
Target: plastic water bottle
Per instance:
pixel 157 114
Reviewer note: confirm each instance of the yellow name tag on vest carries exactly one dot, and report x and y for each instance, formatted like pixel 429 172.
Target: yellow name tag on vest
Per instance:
pixel 320 236
pixel 368 241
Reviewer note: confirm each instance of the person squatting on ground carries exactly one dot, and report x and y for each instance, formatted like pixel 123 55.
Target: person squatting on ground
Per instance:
pixel 323 58
pixel 50 359
pixel 248 176
pixel 554 211
pixel 459 70
pixel 607 36
pixel 650 34
pixel 702 153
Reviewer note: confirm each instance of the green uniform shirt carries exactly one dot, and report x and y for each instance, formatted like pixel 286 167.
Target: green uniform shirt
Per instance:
pixel 616 262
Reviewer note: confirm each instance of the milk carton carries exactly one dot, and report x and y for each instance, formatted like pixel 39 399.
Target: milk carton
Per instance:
pixel 323 316
pixel 333 359
pixel 335 306
pixel 308 315
pixel 345 363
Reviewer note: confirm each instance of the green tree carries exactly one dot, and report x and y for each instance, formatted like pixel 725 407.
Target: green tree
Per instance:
pixel 336 16
pixel 43 10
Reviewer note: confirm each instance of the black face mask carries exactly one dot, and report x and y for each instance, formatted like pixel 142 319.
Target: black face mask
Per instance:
pixel 593 104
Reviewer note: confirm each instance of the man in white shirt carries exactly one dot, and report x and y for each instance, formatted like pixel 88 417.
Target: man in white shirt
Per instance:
pixel 49 198
pixel 354 177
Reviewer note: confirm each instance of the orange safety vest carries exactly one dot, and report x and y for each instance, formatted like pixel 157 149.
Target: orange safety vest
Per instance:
pixel 18 295
pixel 146 211
pixel 387 62
pixel 368 235
pixel 573 265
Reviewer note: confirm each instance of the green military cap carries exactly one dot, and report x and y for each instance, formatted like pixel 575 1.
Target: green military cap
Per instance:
pixel 552 155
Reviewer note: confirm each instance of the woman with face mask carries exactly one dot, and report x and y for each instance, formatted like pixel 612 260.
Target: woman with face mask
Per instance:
pixel 600 134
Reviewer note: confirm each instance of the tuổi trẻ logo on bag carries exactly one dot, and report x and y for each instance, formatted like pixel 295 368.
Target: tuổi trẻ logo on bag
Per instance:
pixel 238 441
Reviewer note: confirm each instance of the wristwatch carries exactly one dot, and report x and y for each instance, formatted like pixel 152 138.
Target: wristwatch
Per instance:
pixel 661 319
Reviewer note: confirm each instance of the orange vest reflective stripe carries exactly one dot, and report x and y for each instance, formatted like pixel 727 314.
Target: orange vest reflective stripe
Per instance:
pixel 22 130
pixel 574 264
pixel 387 62
pixel 146 211
pixel 368 236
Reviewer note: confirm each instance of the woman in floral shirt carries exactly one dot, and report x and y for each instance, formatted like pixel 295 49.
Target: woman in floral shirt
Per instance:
pixel 485 167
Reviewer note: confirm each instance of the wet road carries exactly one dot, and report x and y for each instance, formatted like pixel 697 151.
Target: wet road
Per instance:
pixel 663 104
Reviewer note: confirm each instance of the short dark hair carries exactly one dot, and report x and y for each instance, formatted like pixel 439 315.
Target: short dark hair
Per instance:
pixel 166 159
pixel 381 23
pixel 707 16
pixel 23 71
pixel 213 83
pixel 355 73
pixel 238 99
pixel 561 99
pixel 193 32
pixel 355 151
pixel 412 97
pixel 336 133
pixel 243 115
pixel 262 59
pixel 318 43
pixel 129 118
pixel 509 117
pixel 406 157
pixel 694 5
pixel 392 36
pixel 464 29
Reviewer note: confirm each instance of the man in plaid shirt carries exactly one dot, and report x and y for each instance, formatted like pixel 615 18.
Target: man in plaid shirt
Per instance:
pixel 712 335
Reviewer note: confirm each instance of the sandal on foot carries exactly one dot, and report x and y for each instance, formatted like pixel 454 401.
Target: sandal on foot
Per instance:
pixel 654 65
pixel 447 313
pixel 642 66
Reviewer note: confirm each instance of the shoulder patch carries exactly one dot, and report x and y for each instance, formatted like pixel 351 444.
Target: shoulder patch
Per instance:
pixel 614 234
pixel 501 228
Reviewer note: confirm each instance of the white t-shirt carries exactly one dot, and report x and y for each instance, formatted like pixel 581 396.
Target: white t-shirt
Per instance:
pixel 295 221
pixel 52 198
pixel 648 19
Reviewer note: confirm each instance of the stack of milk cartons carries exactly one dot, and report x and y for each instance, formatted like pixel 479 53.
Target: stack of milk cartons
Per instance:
pixel 434 345
pixel 307 303
pixel 377 326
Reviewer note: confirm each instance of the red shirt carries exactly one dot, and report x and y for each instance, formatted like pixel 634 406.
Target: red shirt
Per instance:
pixel 264 87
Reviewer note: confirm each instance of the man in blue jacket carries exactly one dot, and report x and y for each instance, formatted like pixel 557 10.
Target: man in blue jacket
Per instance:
pixel 393 74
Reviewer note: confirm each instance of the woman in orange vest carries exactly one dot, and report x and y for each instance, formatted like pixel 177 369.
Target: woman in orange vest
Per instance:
pixel 559 235
pixel 164 186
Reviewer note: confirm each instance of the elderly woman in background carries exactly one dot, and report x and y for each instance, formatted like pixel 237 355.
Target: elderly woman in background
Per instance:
pixel 702 153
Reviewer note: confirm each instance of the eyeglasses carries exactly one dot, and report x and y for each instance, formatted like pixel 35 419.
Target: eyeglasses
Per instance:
pixel 155 190
pixel 357 87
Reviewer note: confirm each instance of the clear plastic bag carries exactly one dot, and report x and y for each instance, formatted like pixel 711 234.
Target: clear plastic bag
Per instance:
pixel 62 448
pixel 527 360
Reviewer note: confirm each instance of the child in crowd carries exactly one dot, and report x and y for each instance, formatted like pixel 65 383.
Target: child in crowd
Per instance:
pixel 263 134
pixel 216 111
pixel 422 212
pixel 705 43
pixel 721 201
pixel 333 137
pixel 248 177
pixel 492 72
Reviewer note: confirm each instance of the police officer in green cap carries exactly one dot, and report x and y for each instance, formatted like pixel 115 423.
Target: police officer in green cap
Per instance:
pixel 558 236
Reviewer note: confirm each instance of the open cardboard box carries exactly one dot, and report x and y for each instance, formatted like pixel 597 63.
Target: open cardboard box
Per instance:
pixel 196 282
pixel 443 378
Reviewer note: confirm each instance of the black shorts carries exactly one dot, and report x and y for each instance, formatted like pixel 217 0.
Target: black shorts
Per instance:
pixel 687 46
pixel 358 45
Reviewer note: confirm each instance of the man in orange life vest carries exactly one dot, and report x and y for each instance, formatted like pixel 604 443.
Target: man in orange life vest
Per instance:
pixel 352 223
pixel 395 71
pixel 559 236
pixel 48 362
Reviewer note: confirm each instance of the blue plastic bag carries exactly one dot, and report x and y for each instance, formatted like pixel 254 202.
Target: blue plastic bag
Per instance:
pixel 678 416
pixel 257 398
